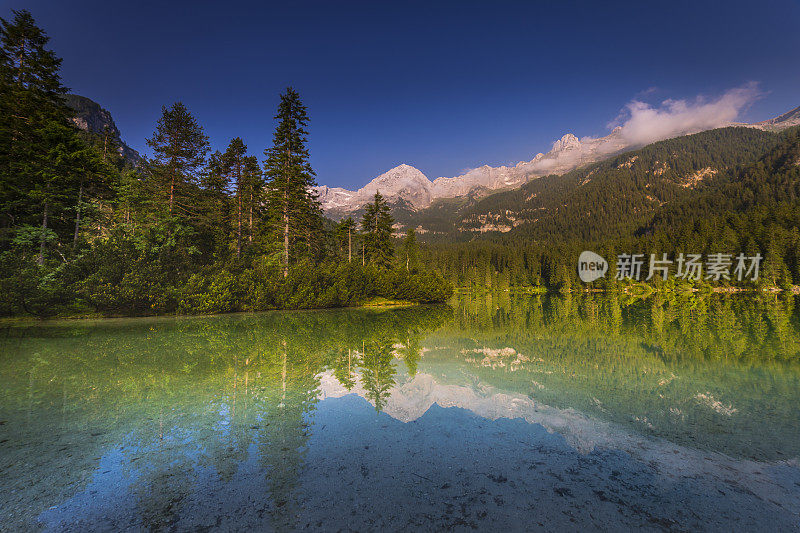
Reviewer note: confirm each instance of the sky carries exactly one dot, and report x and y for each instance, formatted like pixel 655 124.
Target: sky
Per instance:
pixel 442 86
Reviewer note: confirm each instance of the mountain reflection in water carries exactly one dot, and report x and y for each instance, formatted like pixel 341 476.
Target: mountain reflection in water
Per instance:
pixel 498 411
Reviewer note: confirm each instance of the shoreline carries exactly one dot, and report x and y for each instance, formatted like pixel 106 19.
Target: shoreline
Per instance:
pixel 643 291
pixel 640 289
pixel 375 304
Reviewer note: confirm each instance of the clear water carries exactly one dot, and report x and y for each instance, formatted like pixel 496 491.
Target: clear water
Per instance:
pixel 494 412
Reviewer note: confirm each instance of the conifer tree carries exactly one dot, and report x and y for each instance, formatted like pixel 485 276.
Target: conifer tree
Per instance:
pixel 44 164
pixel 377 227
pixel 253 191
pixel 95 180
pixel 29 73
pixel 293 210
pixel 180 148
pixel 234 160
pixel 33 122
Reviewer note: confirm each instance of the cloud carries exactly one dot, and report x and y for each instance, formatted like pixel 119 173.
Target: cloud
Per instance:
pixel 639 124
pixel 642 123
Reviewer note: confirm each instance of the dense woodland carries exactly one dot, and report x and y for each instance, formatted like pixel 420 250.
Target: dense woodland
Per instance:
pixel 188 231
pixel 642 201
pixel 84 228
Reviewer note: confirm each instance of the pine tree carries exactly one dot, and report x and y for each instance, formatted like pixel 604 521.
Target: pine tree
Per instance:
pixel 33 122
pixel 180 148
pixel 45 167
pixel 253 191
pixel 377 227
pixel 234 161
pixel 95 180
pixel 294 213
pixel 29 73
pixel 54 179
pixel 129 197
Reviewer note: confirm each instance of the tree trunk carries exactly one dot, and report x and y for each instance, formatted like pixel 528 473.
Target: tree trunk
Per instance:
pixel 239 230
pixel 77 217
pixel 285 233
pixel 250 234
pixel 40 260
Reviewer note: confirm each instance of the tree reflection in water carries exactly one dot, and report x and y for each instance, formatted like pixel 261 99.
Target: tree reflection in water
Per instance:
pixel 188 402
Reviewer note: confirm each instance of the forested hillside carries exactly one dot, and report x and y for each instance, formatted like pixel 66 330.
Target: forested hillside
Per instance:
pixel 602 199
pixel 724 191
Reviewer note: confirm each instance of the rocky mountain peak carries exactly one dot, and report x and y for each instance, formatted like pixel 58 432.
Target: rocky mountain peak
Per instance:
pixel 406 183
pixel 403 173
pixel 92 118
pixel 402 182
pixel 566 142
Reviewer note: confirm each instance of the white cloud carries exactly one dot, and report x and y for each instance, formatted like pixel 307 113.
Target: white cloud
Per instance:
pixel 639 124
pixel 643 123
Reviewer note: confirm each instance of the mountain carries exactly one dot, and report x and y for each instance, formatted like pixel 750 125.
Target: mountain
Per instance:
pixel 92 118
pixel 408 188
pixel 604 199
pixel 781 122
pixel 730 190
pixel 402 184
pixel 599 200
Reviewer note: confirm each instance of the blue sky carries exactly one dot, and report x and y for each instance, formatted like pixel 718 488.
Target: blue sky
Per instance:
pixel 441 86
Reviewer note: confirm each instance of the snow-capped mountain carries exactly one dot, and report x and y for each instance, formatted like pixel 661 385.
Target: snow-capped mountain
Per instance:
pixel 408 185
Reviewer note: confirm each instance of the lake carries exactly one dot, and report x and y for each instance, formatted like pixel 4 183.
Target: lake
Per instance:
pixel 495 412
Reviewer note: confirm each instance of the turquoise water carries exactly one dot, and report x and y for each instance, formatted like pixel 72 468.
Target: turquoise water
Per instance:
pixel 509 412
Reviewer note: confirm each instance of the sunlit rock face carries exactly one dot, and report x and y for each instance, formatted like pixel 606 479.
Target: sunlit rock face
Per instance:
pixel 408 186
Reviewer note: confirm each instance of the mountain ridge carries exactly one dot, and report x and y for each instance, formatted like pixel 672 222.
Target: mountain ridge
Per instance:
pixel 407 185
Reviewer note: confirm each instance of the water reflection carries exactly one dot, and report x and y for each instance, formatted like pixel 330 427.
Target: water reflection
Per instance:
pixel 228 421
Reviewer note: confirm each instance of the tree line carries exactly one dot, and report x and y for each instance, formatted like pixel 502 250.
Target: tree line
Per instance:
pixel 187 230
pixel 641 203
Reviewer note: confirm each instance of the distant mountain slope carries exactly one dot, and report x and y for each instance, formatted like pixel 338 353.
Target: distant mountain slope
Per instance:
pixel 602 199
pixel 755 198
pixel 402 184
pixel 781 122
pixel 408 188
pixel 407 185
pixel 92 118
